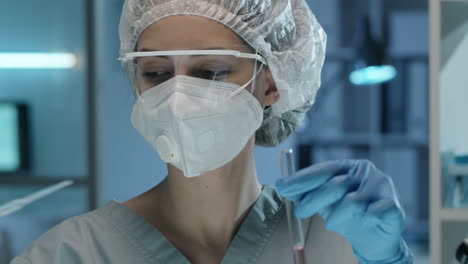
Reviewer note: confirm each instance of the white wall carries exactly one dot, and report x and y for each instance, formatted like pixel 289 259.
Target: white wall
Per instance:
pixel 454 92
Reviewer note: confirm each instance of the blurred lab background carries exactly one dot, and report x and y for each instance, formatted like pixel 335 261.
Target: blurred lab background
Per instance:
pixel 65 107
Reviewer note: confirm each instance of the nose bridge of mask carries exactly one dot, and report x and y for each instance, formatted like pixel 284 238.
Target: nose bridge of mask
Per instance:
pixel 156 95
pixel 188 97
pixel 209 89
pixel 193 97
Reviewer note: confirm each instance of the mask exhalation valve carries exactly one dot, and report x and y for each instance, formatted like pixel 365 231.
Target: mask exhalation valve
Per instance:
pixel 165 149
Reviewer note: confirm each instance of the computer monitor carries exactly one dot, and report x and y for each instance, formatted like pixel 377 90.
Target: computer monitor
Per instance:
pixel 13 137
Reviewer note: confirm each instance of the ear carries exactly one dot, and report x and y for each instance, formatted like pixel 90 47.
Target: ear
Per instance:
pixel 272 94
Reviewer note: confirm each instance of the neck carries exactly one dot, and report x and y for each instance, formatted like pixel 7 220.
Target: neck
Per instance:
pixel 205 212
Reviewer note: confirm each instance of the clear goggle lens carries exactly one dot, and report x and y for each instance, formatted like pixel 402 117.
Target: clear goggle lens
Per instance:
pixel 154 68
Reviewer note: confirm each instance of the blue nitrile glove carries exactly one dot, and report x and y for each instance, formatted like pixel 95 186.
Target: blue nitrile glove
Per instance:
pixel 357 201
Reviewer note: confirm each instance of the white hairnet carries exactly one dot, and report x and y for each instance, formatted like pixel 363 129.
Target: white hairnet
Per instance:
pixel 284 32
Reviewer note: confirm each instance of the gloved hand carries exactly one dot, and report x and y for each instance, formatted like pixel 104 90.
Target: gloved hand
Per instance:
pixel 357 201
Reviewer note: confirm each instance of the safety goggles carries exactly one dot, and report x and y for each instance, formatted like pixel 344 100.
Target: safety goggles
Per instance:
pixel 153 68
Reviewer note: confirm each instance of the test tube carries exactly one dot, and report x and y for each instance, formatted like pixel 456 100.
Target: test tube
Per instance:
pixel 296 231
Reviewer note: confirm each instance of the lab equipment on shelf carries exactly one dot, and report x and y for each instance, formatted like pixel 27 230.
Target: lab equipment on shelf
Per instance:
pixel 457 173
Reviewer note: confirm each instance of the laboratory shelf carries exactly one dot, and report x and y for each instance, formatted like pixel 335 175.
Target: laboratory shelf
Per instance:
pixel 455 169
pixel 38 181
pixel 454 214
pixel 370 140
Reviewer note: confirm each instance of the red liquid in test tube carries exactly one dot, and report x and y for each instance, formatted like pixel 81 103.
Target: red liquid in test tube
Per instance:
pixel 299 255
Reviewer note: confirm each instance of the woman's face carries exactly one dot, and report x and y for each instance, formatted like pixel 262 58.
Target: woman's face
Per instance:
pixel 198 33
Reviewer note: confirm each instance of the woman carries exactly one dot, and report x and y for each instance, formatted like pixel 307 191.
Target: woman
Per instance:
pixel 212 79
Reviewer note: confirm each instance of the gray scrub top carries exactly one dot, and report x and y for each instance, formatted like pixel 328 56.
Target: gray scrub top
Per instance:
pixel 116 234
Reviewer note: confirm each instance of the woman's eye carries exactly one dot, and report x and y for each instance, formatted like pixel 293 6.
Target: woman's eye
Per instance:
pixel 151 76
pixel 213 75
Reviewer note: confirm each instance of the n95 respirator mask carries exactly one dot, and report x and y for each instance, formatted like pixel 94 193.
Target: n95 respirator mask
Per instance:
pixel 197 124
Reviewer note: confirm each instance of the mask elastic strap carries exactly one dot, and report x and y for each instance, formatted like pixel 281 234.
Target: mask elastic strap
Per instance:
pixel 247 84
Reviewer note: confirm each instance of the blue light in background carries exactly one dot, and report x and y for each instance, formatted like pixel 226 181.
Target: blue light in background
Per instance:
pixel 9 140
pixel 373 75
pixel 37 60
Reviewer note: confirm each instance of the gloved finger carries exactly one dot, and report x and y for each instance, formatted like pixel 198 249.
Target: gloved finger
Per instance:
pixel 312 177
pixel 388 215
pixel 374 184
pixel 351 207
pixel 322 197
